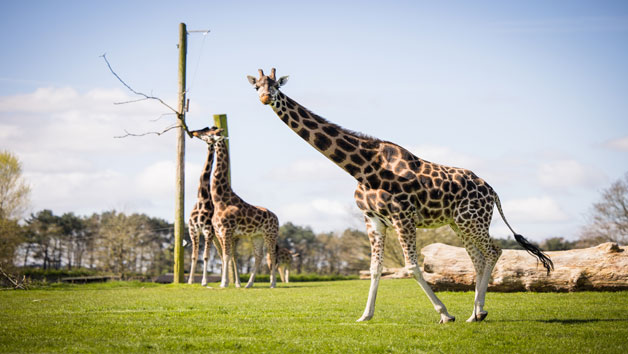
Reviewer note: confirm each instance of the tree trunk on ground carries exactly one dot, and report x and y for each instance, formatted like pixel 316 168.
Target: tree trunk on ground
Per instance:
pixel 604 267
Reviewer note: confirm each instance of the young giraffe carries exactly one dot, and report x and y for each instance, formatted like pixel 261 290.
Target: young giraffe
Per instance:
pixel 200 221
pixel 233 217
pixel 284 263
pixel 401 191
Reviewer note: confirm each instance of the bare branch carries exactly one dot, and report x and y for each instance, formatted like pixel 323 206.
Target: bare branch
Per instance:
pixel 133 101
pixel 16 283
pixel 147 133
pixel 161 116
pixel 180 115
pixel 104 56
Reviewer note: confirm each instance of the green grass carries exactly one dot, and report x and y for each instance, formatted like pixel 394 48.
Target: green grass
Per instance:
pixel 303 317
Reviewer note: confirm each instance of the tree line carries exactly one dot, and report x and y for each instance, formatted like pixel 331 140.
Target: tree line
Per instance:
pixel 138 244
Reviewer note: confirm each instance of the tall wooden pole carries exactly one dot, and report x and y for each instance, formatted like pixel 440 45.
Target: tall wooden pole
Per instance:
pixel 220 121
pixel 179 221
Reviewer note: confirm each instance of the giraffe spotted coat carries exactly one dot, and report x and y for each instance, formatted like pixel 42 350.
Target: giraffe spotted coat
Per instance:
pixel 398 190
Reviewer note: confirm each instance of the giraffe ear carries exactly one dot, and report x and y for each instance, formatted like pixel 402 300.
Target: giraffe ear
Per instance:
pixel 252 80
pixel 282 80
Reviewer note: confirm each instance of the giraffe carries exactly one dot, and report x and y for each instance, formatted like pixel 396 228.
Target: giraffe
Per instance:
pixel 398 190
pixel 234 218
pixel 200 221
pixel 284 263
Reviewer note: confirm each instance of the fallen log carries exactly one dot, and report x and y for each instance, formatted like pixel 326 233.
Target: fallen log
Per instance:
pixel 604 267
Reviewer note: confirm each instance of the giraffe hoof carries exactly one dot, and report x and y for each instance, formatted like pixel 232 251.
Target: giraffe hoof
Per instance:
pixel 364 318
pixel 249 285
pixel 478 317
pixel 446 319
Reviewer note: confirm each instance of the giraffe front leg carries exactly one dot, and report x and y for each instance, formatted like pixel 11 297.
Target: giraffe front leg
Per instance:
pixel 208 239
pixel 406 232
pixel 226 261
pixel 377 236
pixel 195 240
pixel 235 275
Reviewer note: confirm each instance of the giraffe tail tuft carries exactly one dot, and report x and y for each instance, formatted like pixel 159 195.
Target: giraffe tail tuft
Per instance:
pixel 532 249
pixel 535 251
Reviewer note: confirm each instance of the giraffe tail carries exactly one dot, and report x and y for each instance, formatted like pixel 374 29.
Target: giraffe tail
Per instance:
pixel 532 249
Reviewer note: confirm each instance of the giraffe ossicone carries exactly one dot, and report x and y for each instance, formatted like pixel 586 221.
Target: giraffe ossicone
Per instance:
pixel 234 218
pixel 398 190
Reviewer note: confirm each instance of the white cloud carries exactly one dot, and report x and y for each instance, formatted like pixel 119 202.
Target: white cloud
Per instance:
pixel 619 144
pixel 9 131
pixel 308 169
pixel 65 139
pixel 564 174
pixel 533 210
pixel 445 156
pixel 157 181
pixel 333 214
pixel 77 191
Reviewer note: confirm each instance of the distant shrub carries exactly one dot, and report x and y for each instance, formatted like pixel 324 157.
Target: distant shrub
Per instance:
pixel 265 278
pixel 56 274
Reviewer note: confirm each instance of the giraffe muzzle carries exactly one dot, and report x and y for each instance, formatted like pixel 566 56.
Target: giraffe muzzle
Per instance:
pixel 265 99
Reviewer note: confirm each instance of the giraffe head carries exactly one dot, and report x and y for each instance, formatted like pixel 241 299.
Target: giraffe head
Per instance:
pixel 210 135
pixel 267 86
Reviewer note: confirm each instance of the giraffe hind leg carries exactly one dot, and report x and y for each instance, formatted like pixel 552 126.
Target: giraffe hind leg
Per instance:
pixel 258 252
pixel 484 255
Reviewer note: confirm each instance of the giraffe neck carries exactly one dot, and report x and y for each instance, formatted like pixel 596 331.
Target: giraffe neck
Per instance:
pixel 353 152
pixel 220 185
pixel 203 189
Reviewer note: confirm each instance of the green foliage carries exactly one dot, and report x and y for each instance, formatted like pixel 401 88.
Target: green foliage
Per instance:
pixel 11 236
pixel 557 244
pixel 303 317
pixel 14 194
pixel 111 242
pixel 298 278
pixel 56 274
pixel 608 220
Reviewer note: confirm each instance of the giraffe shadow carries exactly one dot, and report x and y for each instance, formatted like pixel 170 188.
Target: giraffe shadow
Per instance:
pixel 571 321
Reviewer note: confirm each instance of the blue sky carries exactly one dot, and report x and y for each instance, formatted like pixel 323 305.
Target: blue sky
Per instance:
pixel 532 96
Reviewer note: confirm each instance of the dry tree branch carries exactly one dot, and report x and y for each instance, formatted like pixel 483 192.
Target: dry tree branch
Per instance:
pixel 161 116
pixel 180 115
pixel 147 133
pixel 146 97
pixel 17 284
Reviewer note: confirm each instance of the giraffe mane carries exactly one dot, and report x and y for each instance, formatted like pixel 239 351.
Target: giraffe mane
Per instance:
pixel 340 128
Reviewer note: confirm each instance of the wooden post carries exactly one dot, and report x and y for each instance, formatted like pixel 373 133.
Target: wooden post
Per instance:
pixel 179 220
pixel 220 121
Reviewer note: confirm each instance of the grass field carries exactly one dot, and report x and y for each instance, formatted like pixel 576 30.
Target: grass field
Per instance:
pixel 304 317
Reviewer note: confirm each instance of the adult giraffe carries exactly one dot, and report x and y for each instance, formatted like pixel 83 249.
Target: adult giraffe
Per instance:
pixel 234 218
pixel 399 190
pixel 200 222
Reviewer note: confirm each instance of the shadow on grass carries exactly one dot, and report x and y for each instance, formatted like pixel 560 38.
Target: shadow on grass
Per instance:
pixel 569 321
pixel 579 321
